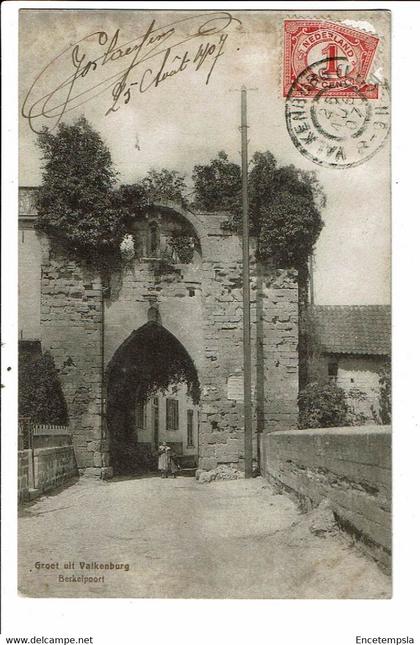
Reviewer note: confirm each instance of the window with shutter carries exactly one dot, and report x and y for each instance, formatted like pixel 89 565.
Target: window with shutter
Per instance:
pixel 141 415
pixel 190 428
pixel 172 417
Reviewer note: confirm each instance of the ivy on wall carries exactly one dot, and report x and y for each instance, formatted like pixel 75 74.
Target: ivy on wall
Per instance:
pixel 79 204
pixel 182 246
pixel 285 205
pixel 41 398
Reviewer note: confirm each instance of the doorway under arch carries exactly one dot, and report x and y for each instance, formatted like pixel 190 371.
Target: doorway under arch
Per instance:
pixel 153 393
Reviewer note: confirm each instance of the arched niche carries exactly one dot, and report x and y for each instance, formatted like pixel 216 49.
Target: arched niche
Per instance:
pixel 154 228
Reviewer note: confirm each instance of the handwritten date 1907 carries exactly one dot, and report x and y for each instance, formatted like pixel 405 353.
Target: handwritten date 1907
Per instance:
pixel 171 67
pixel 98 63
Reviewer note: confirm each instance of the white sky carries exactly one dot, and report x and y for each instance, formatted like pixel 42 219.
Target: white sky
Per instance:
pixel 183 122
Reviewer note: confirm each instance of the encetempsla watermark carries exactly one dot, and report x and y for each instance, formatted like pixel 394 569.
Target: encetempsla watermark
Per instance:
pixel 384 640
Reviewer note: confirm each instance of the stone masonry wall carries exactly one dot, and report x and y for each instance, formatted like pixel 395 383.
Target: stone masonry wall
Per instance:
pixel 25 476
pixel 350 467
pixel 274 355
pixel 71 329
pixel 208 322
pixel 201 305
pixel 52 468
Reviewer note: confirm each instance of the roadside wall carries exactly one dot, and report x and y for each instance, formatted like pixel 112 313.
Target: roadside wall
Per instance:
pixel 350 467
pixel 52 468
pixel 25 477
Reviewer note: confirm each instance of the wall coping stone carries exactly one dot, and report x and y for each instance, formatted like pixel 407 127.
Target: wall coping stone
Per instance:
pixel 347 430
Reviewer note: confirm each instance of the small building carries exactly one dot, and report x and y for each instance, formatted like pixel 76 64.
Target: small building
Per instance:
pixel 350 345
pixel 169 416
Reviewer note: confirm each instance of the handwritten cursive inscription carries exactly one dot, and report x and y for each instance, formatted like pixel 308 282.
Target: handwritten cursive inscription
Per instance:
pixel 101 63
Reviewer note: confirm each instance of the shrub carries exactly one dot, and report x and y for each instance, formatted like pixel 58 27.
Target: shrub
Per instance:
pixel 357 401
pixel 182 246
pixel 40 395
pixel 322 405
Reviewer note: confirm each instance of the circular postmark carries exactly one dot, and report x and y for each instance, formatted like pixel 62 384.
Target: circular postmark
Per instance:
pixel 332 130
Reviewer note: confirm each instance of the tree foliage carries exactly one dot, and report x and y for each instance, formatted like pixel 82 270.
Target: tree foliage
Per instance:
pixel 322 405
pixel 79 205
pixel 164 184
pixel 134 198
pixel 217 185
pixel 289 227
pixel 77 202
pixel 40 394
pixel 284 204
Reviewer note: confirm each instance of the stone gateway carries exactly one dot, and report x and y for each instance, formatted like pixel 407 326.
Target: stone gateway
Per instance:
pixel 160 329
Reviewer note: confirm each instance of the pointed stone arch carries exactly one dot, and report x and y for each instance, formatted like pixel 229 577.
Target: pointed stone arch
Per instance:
pixel 150 359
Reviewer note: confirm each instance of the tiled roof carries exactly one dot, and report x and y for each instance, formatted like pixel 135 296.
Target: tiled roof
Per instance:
pixel 351 329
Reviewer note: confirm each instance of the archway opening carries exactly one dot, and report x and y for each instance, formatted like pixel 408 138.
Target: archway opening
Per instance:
pixel 153 395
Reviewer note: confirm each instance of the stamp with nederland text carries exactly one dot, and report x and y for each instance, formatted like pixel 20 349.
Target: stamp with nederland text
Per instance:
pixel 336 115
pixel 347 54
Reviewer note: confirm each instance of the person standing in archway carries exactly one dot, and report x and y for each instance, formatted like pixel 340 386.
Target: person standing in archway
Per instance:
pixel 163 463
pixel 173 466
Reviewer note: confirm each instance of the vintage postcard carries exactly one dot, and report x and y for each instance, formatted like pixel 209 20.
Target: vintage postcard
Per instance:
pixel 204 304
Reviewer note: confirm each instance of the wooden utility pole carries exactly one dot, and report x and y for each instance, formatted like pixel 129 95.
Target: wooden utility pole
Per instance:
pixel 311 280
pixel 246 292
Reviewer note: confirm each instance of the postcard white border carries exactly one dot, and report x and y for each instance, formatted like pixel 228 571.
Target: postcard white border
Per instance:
pixel 300 622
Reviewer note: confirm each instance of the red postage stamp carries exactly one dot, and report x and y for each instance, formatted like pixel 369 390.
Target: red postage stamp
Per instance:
pixel 348 54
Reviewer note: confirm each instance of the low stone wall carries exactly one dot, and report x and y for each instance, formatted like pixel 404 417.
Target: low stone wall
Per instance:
pixel 51 467
pixel 25 477
pixel 350 467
